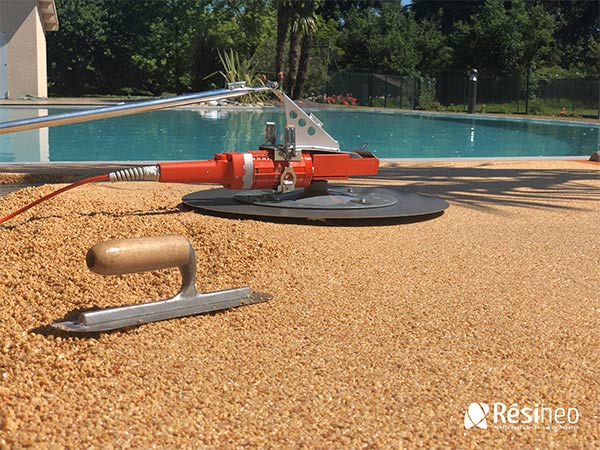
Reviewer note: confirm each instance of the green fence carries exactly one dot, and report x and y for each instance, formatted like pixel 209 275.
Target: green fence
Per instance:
pixel 448 92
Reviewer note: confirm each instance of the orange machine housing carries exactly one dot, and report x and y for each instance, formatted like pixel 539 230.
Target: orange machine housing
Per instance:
pixel 231 169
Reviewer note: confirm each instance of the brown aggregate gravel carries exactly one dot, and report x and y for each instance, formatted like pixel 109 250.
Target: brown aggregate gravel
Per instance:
pixel 377 336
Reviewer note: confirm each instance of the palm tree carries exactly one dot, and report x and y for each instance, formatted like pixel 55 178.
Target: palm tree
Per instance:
pixel 308 26
pixel 303 24
pixel 283 23
pixel 297 17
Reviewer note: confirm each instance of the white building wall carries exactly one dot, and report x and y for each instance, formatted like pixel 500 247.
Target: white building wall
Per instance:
pixel 24 49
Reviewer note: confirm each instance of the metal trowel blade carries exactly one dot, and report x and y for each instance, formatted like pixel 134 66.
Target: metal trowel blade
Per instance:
pixel 128 316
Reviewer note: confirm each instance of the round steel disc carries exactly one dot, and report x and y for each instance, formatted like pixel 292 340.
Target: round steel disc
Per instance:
pixel 379 203
pixel 335 198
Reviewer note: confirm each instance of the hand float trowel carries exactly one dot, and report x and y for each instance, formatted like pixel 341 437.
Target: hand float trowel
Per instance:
pixel 124 256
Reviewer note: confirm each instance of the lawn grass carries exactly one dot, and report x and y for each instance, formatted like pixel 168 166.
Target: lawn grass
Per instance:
pixel 559 107
pixel 541 107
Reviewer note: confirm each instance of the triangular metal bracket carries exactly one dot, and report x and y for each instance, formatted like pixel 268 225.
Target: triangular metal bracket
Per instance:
pixel 310 134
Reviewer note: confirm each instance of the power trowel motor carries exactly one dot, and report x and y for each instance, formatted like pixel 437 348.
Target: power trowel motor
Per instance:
pixel 289 177
pixel 257 169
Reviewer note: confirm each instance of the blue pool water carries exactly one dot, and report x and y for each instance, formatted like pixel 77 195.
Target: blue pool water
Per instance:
pixel 185 134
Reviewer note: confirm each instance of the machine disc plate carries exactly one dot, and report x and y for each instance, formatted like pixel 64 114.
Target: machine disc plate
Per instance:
pixel 336 198
pixel 380 203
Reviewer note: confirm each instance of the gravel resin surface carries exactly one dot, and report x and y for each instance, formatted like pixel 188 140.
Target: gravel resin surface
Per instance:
pixel 377 337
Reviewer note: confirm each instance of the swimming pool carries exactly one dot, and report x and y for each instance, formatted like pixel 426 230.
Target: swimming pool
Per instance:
pixel 198 133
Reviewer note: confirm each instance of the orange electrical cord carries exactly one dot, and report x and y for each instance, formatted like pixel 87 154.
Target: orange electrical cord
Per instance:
pixel 53 194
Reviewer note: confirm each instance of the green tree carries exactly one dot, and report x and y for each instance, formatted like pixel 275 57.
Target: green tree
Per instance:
pixel 594 56
pixel 578 21
pixel 446 12
pixel 537 27
pixel 156 46
pixel 79 52
pixel 391 40
pixel 150 46
pixel 156 42
pixel 358 33
pixel 324 54
pixel 398 31
pixel 338 10
pixel 435 54
pixel 503 39
pixel 246 27
pixel 251 18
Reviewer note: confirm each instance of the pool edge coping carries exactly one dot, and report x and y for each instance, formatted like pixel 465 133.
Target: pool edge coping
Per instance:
pixel 569 121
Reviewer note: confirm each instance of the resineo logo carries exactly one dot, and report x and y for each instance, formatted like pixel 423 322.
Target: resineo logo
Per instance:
pixel 514 416
pixel 475 415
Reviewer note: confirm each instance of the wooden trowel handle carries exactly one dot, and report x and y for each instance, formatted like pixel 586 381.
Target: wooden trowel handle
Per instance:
pixel 122 256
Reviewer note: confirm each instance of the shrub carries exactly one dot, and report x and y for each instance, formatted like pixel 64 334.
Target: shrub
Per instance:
pixel 342 99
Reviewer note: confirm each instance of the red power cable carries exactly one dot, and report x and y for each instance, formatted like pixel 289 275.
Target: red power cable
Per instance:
pixel 53 194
